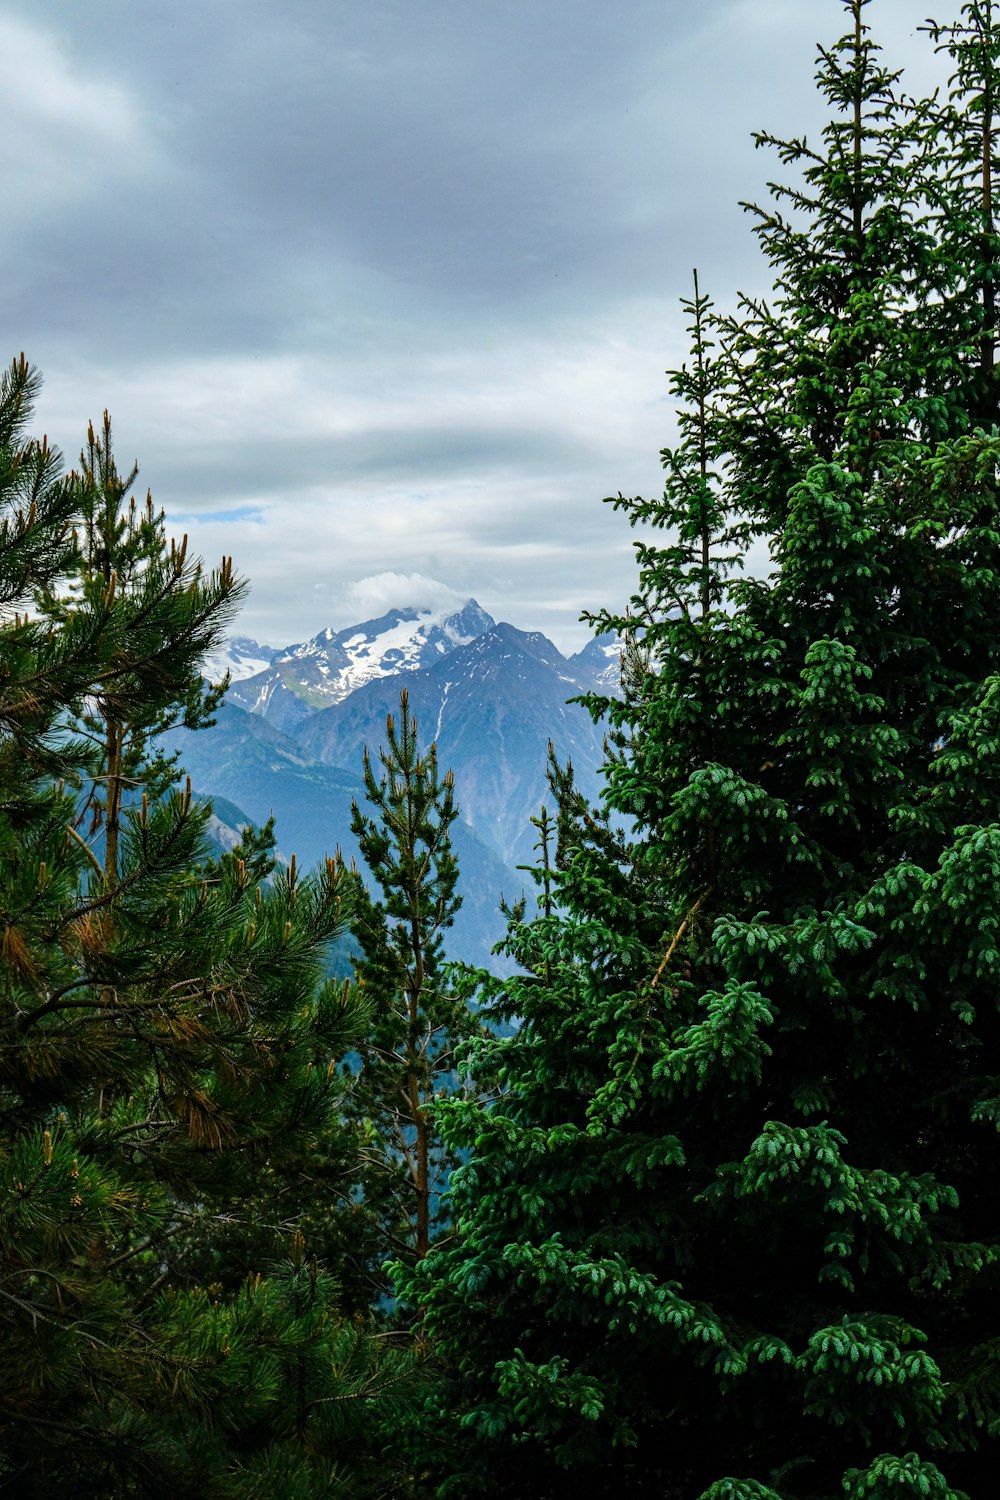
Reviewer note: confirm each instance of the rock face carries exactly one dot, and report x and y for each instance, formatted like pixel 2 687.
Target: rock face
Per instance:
pixel 492 705
pixel 292 734
pixel 599 664
pixel 298 681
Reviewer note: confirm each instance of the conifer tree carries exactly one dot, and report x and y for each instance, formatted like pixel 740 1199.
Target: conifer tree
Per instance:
pixel 419 1010
pixel 730 1232
pixel 165 1026
pixel 962 139
pixel 171 616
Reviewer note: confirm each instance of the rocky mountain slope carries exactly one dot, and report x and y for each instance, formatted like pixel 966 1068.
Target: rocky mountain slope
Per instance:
pixel 302 679
pixel 249 762
pixel 492 705
pixel 290 740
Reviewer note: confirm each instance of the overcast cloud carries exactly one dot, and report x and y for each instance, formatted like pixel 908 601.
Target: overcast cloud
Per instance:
pixel 380 294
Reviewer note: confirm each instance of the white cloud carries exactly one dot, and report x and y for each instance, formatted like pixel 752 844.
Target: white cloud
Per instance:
pixel 64 129
pixel 473 467
pixel 390 291
pixel 379 592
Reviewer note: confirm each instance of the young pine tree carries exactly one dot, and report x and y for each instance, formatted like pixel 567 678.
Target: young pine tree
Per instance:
pixel 170 614
pixel 730 1232
pixel 419 1011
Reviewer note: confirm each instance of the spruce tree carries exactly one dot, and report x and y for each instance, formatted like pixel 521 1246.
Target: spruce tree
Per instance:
pixel 730 1233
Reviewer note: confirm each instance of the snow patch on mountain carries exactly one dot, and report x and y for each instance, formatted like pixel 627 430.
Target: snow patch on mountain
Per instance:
pixel 323 671
pixel 241 657
pixel 599 664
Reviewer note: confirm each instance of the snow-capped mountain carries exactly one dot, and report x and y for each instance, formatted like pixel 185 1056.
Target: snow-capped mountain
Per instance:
pixel 319 673
pixel 240 657
pixel 491 696
pixel 493 706
pixel 599 665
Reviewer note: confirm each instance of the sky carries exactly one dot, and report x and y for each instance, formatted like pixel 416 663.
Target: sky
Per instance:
pixel 380 294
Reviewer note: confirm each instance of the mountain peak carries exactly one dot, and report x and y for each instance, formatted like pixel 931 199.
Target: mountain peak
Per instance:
pixel 324 670
pixel 240 657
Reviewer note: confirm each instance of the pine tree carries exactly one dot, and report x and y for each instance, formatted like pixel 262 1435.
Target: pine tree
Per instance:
pixel 419 1008
pixel 730 1234
pixel 166 1028
pixel 170 615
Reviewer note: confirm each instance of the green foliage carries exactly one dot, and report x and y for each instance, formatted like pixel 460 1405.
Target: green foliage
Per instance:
pixel 418 1008
pixel 166 1033
pixel 728 1228
pixel 166 615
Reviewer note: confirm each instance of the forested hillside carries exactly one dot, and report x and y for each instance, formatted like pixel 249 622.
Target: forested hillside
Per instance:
pixel 697 1200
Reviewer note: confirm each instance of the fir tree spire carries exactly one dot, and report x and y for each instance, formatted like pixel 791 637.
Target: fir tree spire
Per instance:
pixel 725 1233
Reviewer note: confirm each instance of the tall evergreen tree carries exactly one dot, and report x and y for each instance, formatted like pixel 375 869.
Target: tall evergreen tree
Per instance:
pixel 170 615
pixel 419 1011
pixel 165 1026
pixel 962 138
pixel 729 1234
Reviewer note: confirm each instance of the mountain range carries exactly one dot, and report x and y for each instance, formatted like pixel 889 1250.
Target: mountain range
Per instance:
pixel 289 740
pixel 290 685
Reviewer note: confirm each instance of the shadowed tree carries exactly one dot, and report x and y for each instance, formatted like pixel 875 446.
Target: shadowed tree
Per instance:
pixel 728 1233
pixel 165 1029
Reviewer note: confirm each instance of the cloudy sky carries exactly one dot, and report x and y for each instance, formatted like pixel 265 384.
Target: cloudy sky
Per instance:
pixel 380 293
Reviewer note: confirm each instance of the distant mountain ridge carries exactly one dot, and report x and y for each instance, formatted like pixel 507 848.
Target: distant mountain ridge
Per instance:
pixel 291 737
pixel 245 760
pixel 240 657
pixel 315 674
pixel 493 705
